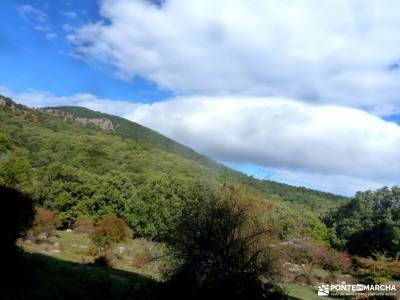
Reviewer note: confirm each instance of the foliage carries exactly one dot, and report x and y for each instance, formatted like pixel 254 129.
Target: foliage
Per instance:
pixel 109 231
pixel 307 252
pixel 15 172
pixel 369 223
pixel 5 142
pixel 46 221
pixel 133 173
pixel 83 224
pixel 222 245
pixel 377 270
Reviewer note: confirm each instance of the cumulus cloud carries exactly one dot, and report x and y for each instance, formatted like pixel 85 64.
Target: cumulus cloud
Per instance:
pixel 279 133
pixel 335 51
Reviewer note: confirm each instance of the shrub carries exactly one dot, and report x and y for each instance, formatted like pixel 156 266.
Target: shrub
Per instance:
pixel 109 231
pixel 142 259
pixel 309 252
pixel 221 246
pixel 83 225
pixel 377 270
pixel 5 142
pixel 46 221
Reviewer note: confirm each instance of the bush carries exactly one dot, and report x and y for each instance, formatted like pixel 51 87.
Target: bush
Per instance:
pixel 5 142
pixel 83 225
pixel 143 258
pixel 379 269
pixel 309 252
pixel 222 249
pixel 46 222
pixel 109 231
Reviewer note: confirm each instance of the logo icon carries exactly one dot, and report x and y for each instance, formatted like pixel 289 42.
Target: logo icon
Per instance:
pixel 323 290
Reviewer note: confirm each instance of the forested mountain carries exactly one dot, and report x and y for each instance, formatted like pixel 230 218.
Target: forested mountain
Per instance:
pixel 70 164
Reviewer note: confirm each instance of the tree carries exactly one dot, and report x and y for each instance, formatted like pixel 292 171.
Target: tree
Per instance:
pixel 83 224
pixel 109 231
pixel 16 171
pixel 5 142
pixel 367 224
pixel 221 246
pixel 46 221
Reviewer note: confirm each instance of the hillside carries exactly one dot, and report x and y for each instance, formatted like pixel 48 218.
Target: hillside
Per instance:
pixel 131 130
pixel 130 170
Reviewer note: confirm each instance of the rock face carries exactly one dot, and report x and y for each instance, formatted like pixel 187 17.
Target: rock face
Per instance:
pixel 58 113
pixel 103 123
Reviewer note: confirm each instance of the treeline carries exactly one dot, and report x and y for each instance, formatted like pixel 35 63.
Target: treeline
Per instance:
pixel 368 227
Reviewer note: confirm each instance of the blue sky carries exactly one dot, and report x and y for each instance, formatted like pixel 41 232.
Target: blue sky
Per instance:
pixel 39 61
pixel 282 90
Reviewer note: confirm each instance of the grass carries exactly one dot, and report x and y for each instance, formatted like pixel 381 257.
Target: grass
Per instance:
pixel 301 292
pixel 136 255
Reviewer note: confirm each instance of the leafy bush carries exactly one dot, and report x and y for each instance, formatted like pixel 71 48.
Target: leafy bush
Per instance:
pixel 83 225
pixel 46 222
pixel 309 252
pixel 222 249
pixel 379 269
pixel 5 142
pixel 368 223
pixel 109 231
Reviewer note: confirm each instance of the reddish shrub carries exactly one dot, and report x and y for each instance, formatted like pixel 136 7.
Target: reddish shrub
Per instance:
pixel 46 221
pixel 109 231
pixel 83 225
pixel 142 259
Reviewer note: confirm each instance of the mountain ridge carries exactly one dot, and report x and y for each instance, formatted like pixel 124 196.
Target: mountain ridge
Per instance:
pixel 125 130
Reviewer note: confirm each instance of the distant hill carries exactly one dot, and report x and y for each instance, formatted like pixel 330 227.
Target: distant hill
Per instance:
pixel 79 161
pixel 131 130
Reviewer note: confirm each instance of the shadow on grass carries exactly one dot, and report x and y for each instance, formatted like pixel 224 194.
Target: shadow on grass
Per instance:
pixel 36 276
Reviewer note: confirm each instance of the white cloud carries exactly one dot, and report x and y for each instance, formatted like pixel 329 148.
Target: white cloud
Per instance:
pixel 326 147
pixel 27 11
pixel 326 142
pixel 333 51
pixel 40 18
pixel 37 99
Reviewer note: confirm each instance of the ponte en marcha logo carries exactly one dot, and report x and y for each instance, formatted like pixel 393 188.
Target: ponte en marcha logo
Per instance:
pixel 353 289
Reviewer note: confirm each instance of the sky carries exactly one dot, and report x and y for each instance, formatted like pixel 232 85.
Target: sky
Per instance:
pixel 305 92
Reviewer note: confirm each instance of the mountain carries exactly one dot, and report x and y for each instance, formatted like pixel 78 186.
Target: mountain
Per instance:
pixel 80 161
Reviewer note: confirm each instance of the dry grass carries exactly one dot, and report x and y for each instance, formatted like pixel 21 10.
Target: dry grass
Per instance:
pixel 135 255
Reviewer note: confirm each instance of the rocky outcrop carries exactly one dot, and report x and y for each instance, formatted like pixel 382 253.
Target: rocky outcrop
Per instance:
pixel 103 123
pixel 58 113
